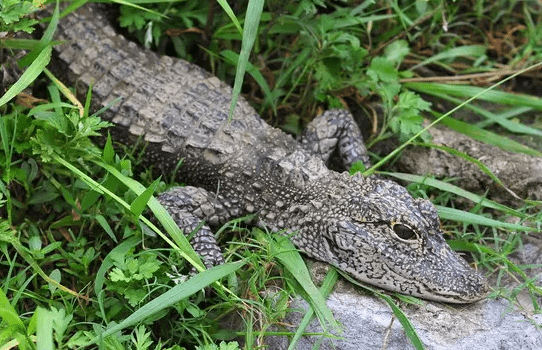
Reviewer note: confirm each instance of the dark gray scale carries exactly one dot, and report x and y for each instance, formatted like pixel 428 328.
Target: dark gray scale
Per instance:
pixel 370 228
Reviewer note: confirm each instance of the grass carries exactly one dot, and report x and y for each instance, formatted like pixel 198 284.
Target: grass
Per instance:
pixel 80 261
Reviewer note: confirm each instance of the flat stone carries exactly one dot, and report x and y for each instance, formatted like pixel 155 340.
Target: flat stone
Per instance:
pixel 368 323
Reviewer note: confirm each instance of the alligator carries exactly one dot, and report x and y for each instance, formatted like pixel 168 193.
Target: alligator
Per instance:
pixel 368 227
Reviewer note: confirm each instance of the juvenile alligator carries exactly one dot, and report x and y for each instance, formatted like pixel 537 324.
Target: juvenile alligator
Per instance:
pixel 369 227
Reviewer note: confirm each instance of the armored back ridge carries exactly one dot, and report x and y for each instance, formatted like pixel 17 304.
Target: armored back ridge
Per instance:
pixel 369 227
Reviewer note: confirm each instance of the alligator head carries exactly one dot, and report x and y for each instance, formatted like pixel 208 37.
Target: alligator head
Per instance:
pixel 381 235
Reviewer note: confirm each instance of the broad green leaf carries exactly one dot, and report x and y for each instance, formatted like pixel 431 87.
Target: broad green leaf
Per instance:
pixel 56 276
pixel 140 203
pixel 382 69
pixel 396 51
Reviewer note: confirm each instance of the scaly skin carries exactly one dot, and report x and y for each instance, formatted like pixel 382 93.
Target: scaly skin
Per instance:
pixel 369 227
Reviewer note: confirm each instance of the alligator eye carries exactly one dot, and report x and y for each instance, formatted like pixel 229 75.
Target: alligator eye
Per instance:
pixel 404 232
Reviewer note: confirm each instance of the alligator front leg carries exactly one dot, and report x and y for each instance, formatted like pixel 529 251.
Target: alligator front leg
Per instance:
pixel 189 206
pixel 335 129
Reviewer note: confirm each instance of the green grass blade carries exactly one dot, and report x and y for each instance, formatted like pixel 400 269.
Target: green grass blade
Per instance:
pixel 467 91
pixel 463 246
pixel 105 225
pixel 232 58
pixel 172 296
pixel 44 41
pixel 531 283
pixel 8 313
pixel 31 73
pixel 158 210
pixel 480 92
pixel 108 153
pixel 471 218
pixel 250 30
pixel 33 264
pixel 134 4
pixel 487 136
pixel 292 261
pixel 492 117
pixel 445 186
pixel 105 108
pixel 5 139
pixel 461 51
pixel 473 160
pixel 227 9
pixel 181 243
pixel 48 106
pixel 505 115
pixel 410 331
pixel 327 286
pixel 65 91
pixel 21 44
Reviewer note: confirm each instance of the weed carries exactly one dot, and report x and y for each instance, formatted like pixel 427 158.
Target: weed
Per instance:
pixel 14 15
pixel 80 263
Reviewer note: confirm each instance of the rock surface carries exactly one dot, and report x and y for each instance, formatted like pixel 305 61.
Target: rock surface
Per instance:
pixel 521 173
pixel 369 324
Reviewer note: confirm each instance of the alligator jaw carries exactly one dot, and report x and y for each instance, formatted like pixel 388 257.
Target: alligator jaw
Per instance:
pixel 432 272
pixel 384 237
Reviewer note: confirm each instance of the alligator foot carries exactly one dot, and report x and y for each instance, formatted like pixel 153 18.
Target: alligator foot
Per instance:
pixel 335 129
pixel 190 208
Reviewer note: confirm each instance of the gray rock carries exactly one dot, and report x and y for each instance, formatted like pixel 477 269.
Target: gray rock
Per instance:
pixel 369 324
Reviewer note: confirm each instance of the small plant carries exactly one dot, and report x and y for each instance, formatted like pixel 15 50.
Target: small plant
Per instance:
pixel 83 267
pixel 221 346
pixel 14 15
pixel 130 275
